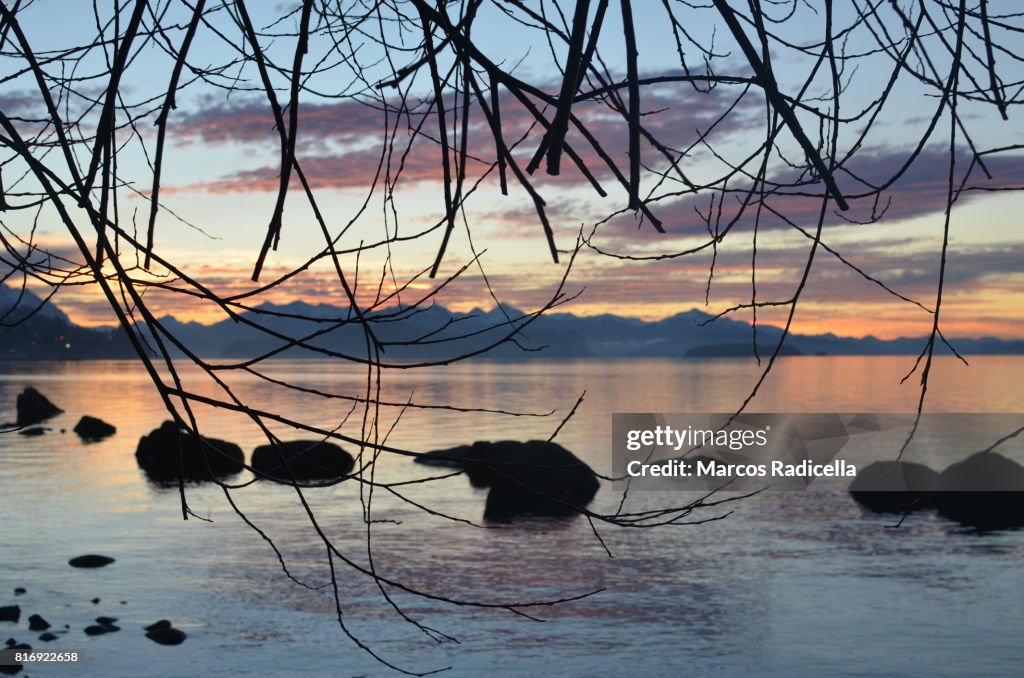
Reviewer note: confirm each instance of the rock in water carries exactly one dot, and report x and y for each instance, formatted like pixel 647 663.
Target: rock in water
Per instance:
pixel 169 451
pixel 306 459
pixel 984 491
pixel 91 429
pixel 529 478
pixel 47 637
pixel 34 407
pixel 37 623
pixel 90 560
pixel 163 633
pixel 10 613
pixel 894 486
pixel 100 629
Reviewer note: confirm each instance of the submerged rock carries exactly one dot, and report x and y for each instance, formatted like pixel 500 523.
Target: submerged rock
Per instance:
pixel 34 407
pixel 169 452
pixel 10 613
pixel 92 429
pixel 100 629
pixel 37 623
pixel 47 637
pixel 894 486
pixel 163 633
pixel 526 478
pixel 90 560
pixel 34 431
pixel 103 625
pixel 984 491
pixel 302 460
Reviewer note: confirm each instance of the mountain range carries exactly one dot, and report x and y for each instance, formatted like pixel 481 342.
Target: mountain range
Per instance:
pixel 33 329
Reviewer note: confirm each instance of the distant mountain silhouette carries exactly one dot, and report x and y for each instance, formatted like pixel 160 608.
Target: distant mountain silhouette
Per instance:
pixel 31 329
pixel 48 334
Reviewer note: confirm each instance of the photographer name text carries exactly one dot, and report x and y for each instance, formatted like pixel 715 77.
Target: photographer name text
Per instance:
pixel 681 468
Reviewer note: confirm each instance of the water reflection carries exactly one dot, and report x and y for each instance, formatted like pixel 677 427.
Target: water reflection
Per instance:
pixel 728 596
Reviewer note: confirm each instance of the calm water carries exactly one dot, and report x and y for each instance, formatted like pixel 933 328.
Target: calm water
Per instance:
pixel 789 582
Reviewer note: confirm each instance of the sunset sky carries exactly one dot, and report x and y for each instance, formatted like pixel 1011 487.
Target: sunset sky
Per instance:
pixel 222 167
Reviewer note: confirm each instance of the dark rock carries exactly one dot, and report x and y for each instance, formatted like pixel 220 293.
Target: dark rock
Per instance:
pixel 159 625
pixel 34 407
pixel 106 620
pixel 21 646
pixel 169 452
pixel 91 429
pixel 894 486
pixel 10 613
pixel 95 601
pixel 11 642
pixel 984 491
pixel 90 560
pixel 305 459
pixel 37 623
pixel 19 591
pixel 528 478
pixel 47 637
pixel 34 431
pixel 167 636
pixel 100 629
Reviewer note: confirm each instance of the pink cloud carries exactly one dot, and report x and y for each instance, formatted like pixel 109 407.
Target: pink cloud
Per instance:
pixel 340 142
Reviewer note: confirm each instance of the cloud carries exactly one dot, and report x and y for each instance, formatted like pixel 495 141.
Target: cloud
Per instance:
pixel 341 146
pixel 252 121
pixel 23 103
pixel 340 143
pixel 920 190
pixel 980 284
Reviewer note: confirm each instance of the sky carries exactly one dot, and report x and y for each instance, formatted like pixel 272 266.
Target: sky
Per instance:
pixel 222 163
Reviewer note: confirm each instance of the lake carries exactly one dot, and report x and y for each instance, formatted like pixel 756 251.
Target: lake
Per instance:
pixel 790 582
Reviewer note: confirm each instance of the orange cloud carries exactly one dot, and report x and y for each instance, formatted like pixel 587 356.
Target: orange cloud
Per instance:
pixel 977 302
